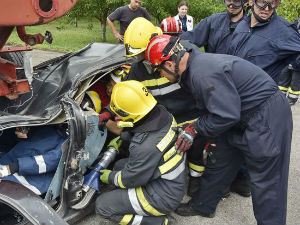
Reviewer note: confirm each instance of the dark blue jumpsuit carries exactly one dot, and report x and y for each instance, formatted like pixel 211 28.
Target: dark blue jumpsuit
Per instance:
pixel 270 45
pixel 213 33
pixel 239 102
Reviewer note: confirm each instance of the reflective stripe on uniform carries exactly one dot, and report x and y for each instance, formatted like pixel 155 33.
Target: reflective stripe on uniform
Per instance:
pixel 126 219
pixel 196 167
pixel 193 173
pixel 25 183
pixel 186 122
pixel 41 163
pixel 175 173
pixel 165 90
pixel 293 92
pixel 164 168
pixel 155 82
pixel 145 204
pixel 116 179
pixel 169 153
pixel 283 88
pixel 168 138
pixel 137 220
pixel 120 184
pixel 293 96
pixel 166 221
pixel 135 202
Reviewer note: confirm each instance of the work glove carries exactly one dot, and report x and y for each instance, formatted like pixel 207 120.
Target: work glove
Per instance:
pixel 208 151
pixel 185 139
pixel 115 143
pixel 4 171
pixel 103 118
pixel 104 176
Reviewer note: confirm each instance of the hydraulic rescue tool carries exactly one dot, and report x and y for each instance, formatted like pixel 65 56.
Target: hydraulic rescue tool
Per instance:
pixel 92 180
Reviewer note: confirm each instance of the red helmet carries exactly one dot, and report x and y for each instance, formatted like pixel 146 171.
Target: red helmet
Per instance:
pixel 159 49
pixel 171 26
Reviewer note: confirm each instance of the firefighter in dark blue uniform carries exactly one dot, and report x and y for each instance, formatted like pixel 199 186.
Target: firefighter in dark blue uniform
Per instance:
pixel 214 32
pixel 265 39
pixel 239 102
pixel 289 82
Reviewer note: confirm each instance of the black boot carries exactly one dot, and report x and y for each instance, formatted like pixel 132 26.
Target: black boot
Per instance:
pixel 185 209
pixel 193 186
pixel 226 192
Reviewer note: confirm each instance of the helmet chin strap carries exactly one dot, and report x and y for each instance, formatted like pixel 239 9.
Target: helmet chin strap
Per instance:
pixel 178 56
pixel 257 17
pixel 234 14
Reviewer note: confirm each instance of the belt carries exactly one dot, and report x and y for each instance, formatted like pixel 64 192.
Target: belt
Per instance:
pixel 248 114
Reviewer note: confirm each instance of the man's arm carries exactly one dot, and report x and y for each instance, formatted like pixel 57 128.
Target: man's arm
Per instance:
pixel 200 34
pixel 222 102
pixel 142 163
pixel 114 30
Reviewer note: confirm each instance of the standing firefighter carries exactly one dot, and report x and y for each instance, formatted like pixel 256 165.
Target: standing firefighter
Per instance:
pixel 153 179
pixel 265 39
pixel 289 82
pixel 239 102
pixel 214 33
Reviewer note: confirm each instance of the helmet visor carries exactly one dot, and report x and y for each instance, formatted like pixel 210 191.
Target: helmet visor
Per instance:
pixel 130 51
pixel 262 4
pixel 236 4
pixel 149 67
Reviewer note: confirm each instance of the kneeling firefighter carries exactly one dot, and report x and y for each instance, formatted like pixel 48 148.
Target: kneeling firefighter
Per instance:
pixel 177 100
pixel 152 180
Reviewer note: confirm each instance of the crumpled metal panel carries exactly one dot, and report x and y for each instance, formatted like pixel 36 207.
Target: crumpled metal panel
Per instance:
pixel 56 79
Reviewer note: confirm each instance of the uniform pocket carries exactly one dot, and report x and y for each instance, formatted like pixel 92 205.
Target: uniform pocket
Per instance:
pixel 260 140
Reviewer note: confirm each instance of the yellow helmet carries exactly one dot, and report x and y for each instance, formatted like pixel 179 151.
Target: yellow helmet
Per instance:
pixel 94 97
pixel 131 100
pixel 138 34
pixel 119 74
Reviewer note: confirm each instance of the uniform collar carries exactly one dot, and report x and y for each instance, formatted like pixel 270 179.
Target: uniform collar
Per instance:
pixel 273 17
pixel 184 75
pixel 233 25
pixel 155 120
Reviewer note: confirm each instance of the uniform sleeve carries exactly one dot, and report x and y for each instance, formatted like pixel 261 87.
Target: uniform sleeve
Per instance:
pixel 290 44
pixel 296 64
pixel 39 164
pixel 139 169
pixel 222 101
pixel 200 34
pixel 133 72
pixel 115 15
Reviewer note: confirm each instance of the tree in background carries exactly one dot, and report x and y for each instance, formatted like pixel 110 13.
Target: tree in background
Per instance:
pixel 199 9
pixel 160 9
pixel 289 9
pixel 99 9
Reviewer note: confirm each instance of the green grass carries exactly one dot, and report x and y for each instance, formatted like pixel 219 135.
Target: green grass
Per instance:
pixel 67 37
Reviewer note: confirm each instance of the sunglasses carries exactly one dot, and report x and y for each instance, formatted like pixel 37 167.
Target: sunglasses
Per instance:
pixel 262 4
pixel 236 4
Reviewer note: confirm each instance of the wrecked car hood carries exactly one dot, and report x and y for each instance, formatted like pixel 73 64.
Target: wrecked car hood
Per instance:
pixel 56 79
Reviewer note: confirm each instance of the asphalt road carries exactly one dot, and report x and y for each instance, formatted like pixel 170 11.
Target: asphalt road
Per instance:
pixel 235 209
